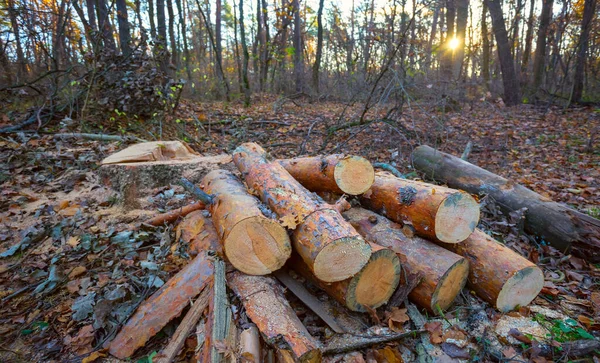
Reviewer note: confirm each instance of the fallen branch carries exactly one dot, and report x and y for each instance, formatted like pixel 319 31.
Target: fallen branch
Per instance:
pixel 196 191
pixel 391 169
pixel 172 216
pixel 185 328
pixel 96 137
pixel 347 343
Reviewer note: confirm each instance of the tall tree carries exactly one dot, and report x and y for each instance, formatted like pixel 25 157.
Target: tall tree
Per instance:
pixel 317 64
pixel 512 93
pixel 485 46
pixel 151 17
pixel 186 51
pixel 124 32
pixel 298 58
pixel 12 14
pixel 246 56
pixel 462 16
pixel 528 41
pixel 539 63
pixel 172 40
pixel 104 25
pixel 266 38
pixel 448 51
pixel 589 9
pixel 218 39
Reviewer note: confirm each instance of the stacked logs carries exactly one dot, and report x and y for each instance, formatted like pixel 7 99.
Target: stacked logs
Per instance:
pixel 272 217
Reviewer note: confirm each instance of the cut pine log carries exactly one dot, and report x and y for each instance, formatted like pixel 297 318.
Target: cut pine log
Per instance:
pixel 164 305
pixel 249 344
pixel 562 227
pixel 267 307
pixel 443 273
pixel 334 173
pixel 198 231
pixel 172 216
pixel 328 244
pixel 370 288
pixel 253 243
pixel 435 212
pixel 497 274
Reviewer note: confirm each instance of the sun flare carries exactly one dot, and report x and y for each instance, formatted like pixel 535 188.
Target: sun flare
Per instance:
pixel 453 43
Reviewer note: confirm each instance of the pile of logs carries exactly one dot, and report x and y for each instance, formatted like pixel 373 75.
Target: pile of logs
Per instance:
pixel 249 233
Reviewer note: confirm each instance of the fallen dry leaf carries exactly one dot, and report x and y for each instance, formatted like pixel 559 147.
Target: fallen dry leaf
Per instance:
pixel 435 331
pixel 289 221
pixel 396 318
pixel 77 271
pixel 94 356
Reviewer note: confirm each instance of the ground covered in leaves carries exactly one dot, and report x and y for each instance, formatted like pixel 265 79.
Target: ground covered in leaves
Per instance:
pixel 74 264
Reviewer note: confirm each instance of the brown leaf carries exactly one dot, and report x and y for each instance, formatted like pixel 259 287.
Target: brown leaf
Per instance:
pixel 454 351
pixel 289 221
pixel 435 331
pixel 454 333
pixel 82 342
pixel 509 352
pixel 396 318
pixel 73 241
pixel 515 333
pixel 77 271
pixel 388 355
pixel 73 286
pixel 94 356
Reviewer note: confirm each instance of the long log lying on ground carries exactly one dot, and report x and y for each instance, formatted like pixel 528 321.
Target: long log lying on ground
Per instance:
pixel 253 243
pixel 164 305
pixel 498 274
pixel 562 227
pixel 435 212
pixel 328 244
pixel 334 173
pixel 370 288
pixel 266 306
pixel 443 273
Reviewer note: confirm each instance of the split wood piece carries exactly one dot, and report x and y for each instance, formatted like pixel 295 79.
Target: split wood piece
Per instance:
pixel 328 244
pixel 333 173
pixel 185 328
pixel 219 319
pixel 164 305
pixel 350 342
pixel 198 231
pixel 253 243
pixel 370 288
pixel 152 151
pixel 250 349
pixel 173 215
pixel 438 213
pixel 267 307
pixel 316 305
pixel 498 274
pixel 562 227
pixel 443 273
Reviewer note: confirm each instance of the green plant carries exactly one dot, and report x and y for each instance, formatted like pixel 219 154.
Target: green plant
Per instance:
pixel 563 330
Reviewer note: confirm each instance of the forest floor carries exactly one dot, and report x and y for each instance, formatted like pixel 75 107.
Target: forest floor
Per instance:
pixel 74 264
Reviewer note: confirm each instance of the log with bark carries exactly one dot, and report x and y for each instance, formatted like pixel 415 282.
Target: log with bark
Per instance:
pixel 253 243
pixel 370 288
pixel 328 244
pixel 498 274
pixel 562 227
pixel 165 304
pixel 267 307
pixel 198 232
pixel 334 173
pixel 175 214
pixel 443 273
pixel 435 212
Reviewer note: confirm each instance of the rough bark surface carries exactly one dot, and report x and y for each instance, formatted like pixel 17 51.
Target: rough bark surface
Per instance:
pixel 562 227
pixel 266 306
pixel 328 244
pixel 443 273
pixel 435 212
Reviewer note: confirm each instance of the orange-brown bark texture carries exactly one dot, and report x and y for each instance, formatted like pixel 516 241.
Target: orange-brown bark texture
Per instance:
pixel 165 304
pixel 418 256
pixel 267 307
pixel 253 243
pixel 198 231
pixel 333 173
pixel 494 268
pixel 172 216
pixel 435 212
pixel 329 245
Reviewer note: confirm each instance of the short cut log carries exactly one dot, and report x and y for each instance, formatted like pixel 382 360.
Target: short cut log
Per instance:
pixel 337 173
pixel 198 232
pixel 564 228
pixel 267 307
pixel 328 244
pixel 435 212
pixel 498 274
pixel 253 243
pixel 369 289
pixel 443 273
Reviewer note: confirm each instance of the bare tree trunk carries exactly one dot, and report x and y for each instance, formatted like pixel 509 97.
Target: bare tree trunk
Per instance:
pixel 104 25
pixel 151 16
pixel 5 65
pixel 265 54
pixel 350 44
pixel 124 32
pixel 539 63
pixel 512 93
pixel 436 14
pixel 21 63
pixel 298 59
pixel 528 41
pixel 91 12
pixel 172 40
pixel 447 51
pixel 86 25
pixel 186 51
pixel 462 16
pixel 317 64
pixel 236 50
pixel 514 40
pixel 246 56
pixel 485 47
pixel 589 8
